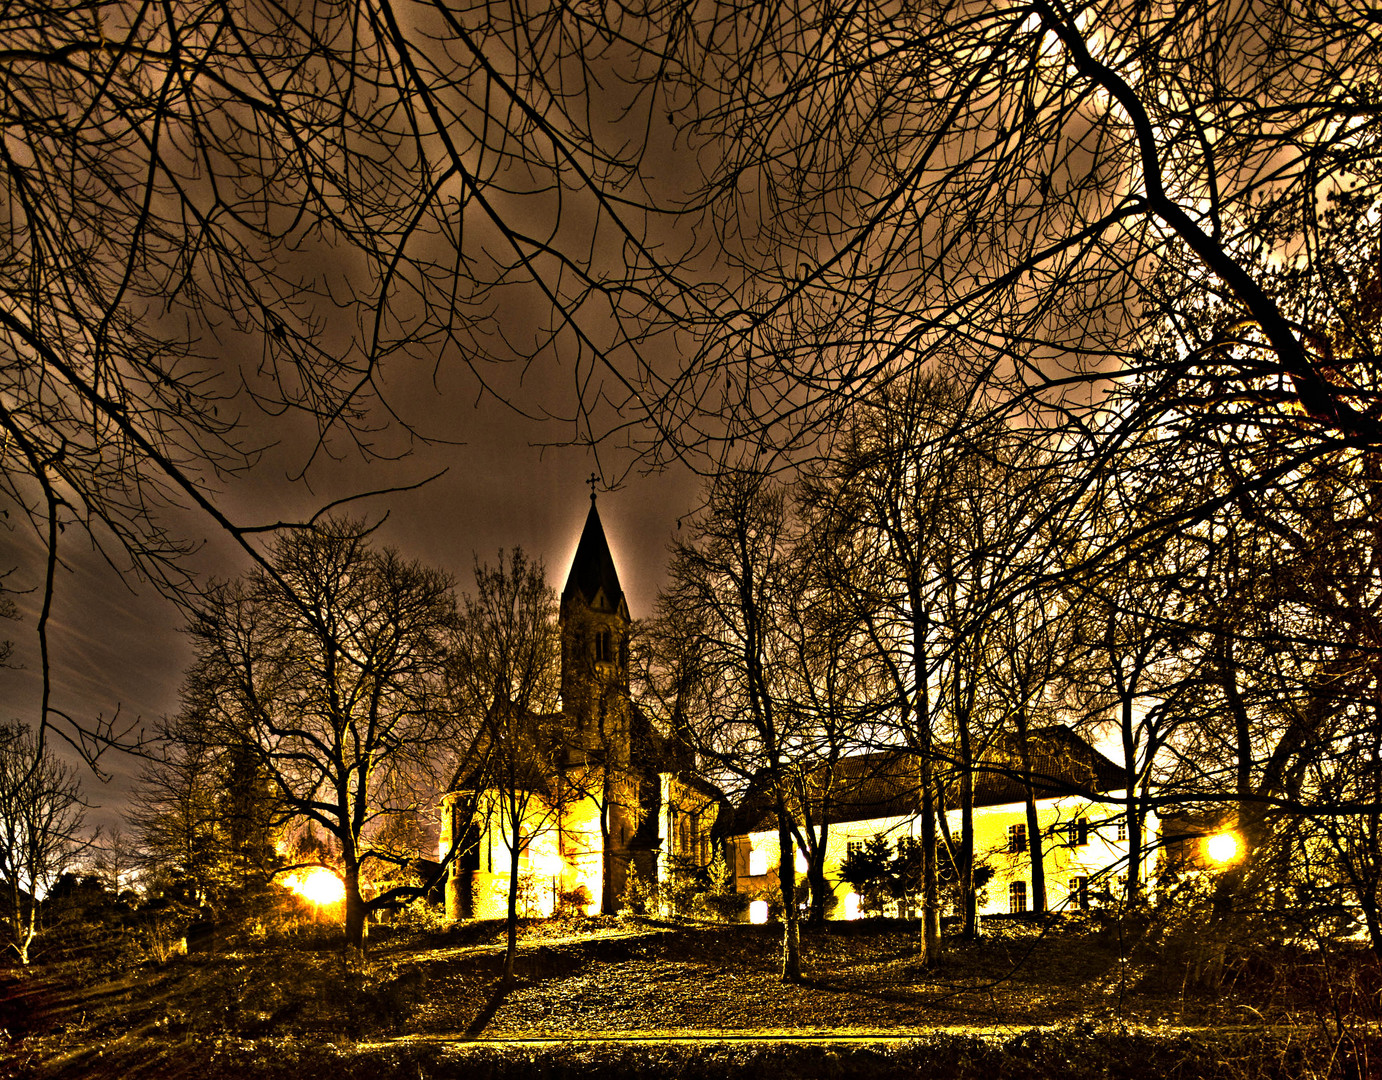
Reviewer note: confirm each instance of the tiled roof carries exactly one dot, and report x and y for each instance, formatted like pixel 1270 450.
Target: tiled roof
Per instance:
pixel 883 784
pixel 1062 763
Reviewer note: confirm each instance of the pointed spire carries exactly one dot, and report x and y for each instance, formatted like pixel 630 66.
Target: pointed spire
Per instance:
pixel 593 577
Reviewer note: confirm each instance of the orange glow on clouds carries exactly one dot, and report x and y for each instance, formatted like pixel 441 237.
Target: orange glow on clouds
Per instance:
pixel 316 884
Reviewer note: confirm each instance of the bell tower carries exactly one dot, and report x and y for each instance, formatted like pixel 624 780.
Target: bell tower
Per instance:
pixel 595 648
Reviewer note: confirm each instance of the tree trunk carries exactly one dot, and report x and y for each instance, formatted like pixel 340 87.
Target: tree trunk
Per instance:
pixel 511 919
pixel 354 907
pixel 1034 844
pixel 926 778
pixel 820 888
pixel 930 875
pixel 609 899
pixel 970 900
pixel 1249 820
pixel 1133 892
pixel 609 903
pixel 787 882
pixel 25 921
pixel 16 914
pixel 1038 855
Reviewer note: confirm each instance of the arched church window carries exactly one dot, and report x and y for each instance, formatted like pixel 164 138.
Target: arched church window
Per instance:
pixel 602 646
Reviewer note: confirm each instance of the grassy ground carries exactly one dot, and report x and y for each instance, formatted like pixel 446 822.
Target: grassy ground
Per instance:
pixel 295 1005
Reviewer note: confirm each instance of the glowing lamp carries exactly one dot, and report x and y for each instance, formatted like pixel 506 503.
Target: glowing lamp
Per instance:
pixel 1223 847
pixel 758 911
pixel 317 885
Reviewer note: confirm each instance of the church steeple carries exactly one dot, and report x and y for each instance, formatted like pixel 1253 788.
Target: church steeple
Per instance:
pixel 595 644
pixel 593 578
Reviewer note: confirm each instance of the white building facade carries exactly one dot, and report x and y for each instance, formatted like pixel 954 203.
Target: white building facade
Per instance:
pixel 1081 817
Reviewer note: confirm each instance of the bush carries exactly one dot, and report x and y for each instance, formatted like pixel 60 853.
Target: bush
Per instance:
pixel 162 937
pixel 690 883
pixel 419 914
pixel 867 869
pixel 574 902
pixel 640 897
pixel 772 896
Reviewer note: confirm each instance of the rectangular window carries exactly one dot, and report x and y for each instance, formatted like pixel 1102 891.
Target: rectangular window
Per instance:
pixel 1017 897
pixel 1079 893
pixel 1017 838
pixel 1078 835
pixel 758 863
pixel 1122 828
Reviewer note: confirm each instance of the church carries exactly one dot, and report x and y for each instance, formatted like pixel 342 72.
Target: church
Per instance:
pixel 610 796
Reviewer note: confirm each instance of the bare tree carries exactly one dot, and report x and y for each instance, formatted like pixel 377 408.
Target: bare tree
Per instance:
pixel 833 686
pixel 205 816
pixel 234 215
pixel 885 496
pixel 1043 183
pixel 116 860
pixel 507 659
pixel 1134 660
pixel 41 818
pixel 1028 649
pixel 331 674
pixel 728 589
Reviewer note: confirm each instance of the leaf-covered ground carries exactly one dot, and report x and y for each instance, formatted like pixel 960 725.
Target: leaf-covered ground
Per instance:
pixel 597 979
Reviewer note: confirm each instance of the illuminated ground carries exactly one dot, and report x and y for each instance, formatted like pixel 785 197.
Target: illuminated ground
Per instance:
pixel 605 981
pixel 725 980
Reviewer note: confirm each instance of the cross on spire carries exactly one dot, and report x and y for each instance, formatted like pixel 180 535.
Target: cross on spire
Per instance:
pixel 592 482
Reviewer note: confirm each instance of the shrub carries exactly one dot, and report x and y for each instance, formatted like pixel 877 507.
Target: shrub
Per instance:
pixel 575 902
pixel 720 900
pixel 868 870
pixel 419 914
pixel 161 937
pixel 641 897
pixel 690 882
pixel 772 895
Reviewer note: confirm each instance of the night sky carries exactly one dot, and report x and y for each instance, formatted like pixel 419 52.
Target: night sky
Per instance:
pixel 116 642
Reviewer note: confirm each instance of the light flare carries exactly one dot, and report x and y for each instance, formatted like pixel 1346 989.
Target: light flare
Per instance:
pixel 1224 847
pixel 317 885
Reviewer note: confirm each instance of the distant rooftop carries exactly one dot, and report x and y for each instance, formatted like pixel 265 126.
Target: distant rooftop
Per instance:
pixel 884 783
